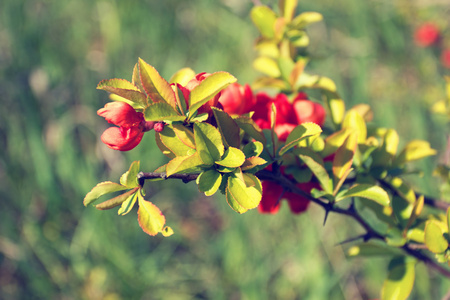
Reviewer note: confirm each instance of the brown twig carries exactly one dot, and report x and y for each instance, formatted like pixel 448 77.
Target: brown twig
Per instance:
pixel 411 249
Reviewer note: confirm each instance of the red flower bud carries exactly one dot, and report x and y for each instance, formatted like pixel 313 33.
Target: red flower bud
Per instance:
pixel 131 126
pixel 159 127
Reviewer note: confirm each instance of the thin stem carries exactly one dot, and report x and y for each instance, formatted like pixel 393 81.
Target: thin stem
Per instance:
pixel 288 185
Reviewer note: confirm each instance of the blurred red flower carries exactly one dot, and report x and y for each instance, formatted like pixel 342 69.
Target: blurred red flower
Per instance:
pixel 289 115
pixel 426 35
pixel 445 58
pixel 273 193
pixel 237 99
pixel 132 126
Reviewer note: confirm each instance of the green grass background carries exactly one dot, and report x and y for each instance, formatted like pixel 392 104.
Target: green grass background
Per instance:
pixel 52 55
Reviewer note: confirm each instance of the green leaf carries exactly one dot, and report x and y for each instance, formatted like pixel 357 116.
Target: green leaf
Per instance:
pixel 286 65
pixel 163 148
pixel 434 237
pixel 368 191
pixel 267 66
pixel 402 210
pixel 415 150
pixel 252 162
pixel 353 120
pixel 306 18
pixel 157 88
pixel 124 89
pixel 209 181
pixel 243 196
pixel 395 237
pixel 207 89
pixel 184 164
pixel 343 159
pixel 316 165
pixel 371 249
pixel 150 217
pixel 384 155
pixel 182 76
pixel 136 79
pixel 185 135
pixel 251 128
pixel 232 158
pixel 264 19
pixel 253 149
pixel 400 280
pixel 300 132
pixel 208 141
pixel 315 82
pixel 101 189
pixel 129 178
pixel 116 201
pixel 128 204
pixel 287 7
pixel 336 106
pixel 334 141
pixel 172 141
pixel 162 111
pixel 227 127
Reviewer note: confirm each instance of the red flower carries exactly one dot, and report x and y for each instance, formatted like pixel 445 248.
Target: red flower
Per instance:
pixel 237 99
pixel 132 126
pixel 445 58
pixel 289 115
pixel 426 35
pixel 273 193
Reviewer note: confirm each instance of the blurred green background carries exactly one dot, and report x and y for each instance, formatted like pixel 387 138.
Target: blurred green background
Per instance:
pixel 53 54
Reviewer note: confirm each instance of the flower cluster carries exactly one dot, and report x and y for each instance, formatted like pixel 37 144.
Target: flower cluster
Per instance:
pixel 132 124
pixel 237 99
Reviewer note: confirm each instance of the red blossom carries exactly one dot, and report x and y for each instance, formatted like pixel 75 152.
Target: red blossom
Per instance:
pixel 273 193
pixel 132 126
pixel 237 99
pixel 289 114
pixel 426 35
pixel 445 58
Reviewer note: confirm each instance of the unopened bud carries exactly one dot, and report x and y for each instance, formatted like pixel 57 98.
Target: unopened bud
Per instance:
pixel 159 127
pixel 148 125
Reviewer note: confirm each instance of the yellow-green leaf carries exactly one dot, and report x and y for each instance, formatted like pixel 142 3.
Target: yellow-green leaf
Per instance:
pixel 101 189
pixel 128 204
pixel 415 150
pixel 251 128
pixel 316 165
pixel 368 191
pixel 209 181
pixel 232 158
pixel 182 76
pixel 124 89
pixel 353 120
pixel 171 140
pixel 150 218
pixel 300 132
pixel 243 196
pixel 400 280
pixel 116 201
pixel 184 164
pixel 344 155
pixel 264 19
pixel 162 111
pixel 267 65
pixel 157 88
pixel 306 18
pixel 434 237
pixel 129 178
pixel 208 88
pixel 227 127
pixel 208 141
